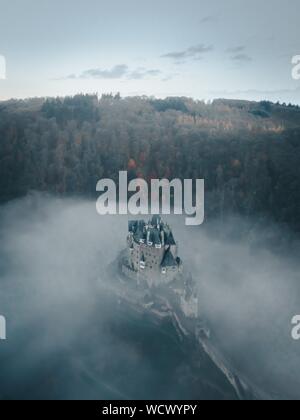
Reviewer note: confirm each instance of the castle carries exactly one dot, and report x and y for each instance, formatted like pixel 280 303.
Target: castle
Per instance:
pixel 151 260
pixel 152 253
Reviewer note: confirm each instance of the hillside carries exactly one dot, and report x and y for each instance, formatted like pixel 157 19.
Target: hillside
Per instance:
pixel 247 152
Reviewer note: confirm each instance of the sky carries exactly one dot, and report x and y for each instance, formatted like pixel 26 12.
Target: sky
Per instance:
pixel 196 48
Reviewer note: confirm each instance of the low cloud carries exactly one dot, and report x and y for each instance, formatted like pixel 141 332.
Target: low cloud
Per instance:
pixel 242 58
pixel 239 54
pixel 207 19
pixel 142 73
pixel 115 72
pixel 119 71
pixel 67 339
pixel 70 76
pixel 236 50
pixel 194 52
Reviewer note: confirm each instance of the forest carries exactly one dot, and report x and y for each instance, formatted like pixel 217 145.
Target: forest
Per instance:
pixel 247 152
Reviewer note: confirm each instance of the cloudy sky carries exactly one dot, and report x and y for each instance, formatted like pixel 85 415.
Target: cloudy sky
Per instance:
pixel 199 48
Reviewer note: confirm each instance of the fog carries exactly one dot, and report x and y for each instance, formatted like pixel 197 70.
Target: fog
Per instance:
pixel 249 290
pixel 64 340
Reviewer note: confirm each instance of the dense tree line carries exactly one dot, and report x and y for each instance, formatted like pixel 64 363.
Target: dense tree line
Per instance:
pixel 248 152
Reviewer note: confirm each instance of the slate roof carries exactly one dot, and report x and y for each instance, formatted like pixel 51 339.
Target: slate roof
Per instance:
pixel 155 237
pixel 168 260
pixel 170 239
pixel 156 220
pixel 132 225
pixel 139 231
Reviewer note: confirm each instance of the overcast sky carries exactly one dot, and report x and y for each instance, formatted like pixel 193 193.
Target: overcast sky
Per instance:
pixel 204 49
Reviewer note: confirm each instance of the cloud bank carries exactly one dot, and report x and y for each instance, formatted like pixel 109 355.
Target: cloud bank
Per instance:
pixel 120 71
pixel 67 340
pixel 193 52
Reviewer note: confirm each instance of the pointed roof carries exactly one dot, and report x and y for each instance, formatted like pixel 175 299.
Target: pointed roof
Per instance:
pixel 156 237
pixel 169 260
pixel 140 232
pixel 170 239
pixel 156 220
pixel 132 225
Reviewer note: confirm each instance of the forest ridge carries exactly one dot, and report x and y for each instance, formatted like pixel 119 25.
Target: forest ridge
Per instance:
pixel 247 152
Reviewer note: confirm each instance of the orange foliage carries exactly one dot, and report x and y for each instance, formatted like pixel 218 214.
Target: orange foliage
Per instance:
pixel 132 164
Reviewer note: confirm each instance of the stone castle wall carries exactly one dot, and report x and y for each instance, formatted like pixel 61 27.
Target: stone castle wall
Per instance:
pixel 152 278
